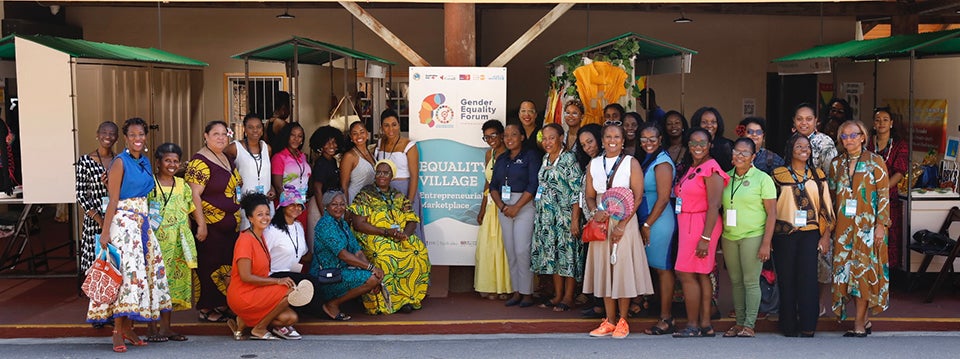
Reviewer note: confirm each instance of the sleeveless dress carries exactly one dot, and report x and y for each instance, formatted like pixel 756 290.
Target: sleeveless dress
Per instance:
pixel 255 172
pixel 361 176
pixel 491 274
pixel 401 179
pixel 630 276
pixel 661 249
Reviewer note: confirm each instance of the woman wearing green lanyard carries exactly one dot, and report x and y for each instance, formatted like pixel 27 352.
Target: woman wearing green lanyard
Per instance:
pixel 860 184
pixel 749 210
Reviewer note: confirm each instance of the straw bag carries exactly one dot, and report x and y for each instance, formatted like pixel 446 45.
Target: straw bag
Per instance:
pixel 102 284
pixel 343 121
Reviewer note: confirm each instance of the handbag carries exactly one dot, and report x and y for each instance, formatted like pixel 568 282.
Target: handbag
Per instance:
pixel 342 122
pixel 329 276
pixel 103 281
pixel 596 231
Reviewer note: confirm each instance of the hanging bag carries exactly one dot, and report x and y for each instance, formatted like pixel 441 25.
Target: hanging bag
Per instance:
pixel 103 281
pixel 342 121
pixel 596 231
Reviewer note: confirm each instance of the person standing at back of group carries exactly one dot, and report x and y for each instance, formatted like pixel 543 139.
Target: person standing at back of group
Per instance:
pixel 280 118
pixel 648 101
pixel 252 158
pixel 405 155
pixel 709 119
pixel 289 167
pixel 531 127
pixel 755 128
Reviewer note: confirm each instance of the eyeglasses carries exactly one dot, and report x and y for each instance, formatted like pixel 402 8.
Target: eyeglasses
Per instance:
pixel 851 136
pixel 802 147
pixel 383 173
pixel 487 138
pixel 699 143
pixel 570 114
pixel 755 132
pixel 337 204
pixel 615 123
pixel 648 139
pixel 742 153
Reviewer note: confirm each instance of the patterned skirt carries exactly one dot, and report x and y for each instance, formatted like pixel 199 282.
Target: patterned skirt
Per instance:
pixel 144 293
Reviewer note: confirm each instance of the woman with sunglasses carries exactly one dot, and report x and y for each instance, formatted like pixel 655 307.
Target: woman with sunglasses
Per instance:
pixel 755 128
pixel 887 141
pixel 860 183
pixel 491 275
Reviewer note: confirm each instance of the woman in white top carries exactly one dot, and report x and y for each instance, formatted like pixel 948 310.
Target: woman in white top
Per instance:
pixel 252 158
pixel 356 166
pixel 289 253
pixel 405 156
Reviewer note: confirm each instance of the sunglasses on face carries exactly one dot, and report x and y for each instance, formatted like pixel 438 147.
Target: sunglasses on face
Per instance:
pixel 383 173
pixel 755 132
pixel 851 136
pixel 648 140
pixel 614 122
pixel 571 114
pixel 699 143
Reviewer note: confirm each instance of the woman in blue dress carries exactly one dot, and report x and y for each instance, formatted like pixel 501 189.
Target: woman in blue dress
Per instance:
pixel 657 229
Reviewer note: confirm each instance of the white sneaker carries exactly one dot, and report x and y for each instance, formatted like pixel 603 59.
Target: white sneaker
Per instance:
pixel 294 334
pixel 285 333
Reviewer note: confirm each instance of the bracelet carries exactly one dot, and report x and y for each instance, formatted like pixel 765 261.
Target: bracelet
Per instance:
pixel 370 267
pixel 705 238
pixel 646 225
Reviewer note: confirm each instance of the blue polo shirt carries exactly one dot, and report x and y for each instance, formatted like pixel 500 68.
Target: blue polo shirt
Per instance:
pixel 520 172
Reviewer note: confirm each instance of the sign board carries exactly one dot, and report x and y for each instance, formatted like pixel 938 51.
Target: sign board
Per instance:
pixel 448 106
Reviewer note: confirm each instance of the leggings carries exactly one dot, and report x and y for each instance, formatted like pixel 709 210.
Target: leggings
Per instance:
pixel 744 269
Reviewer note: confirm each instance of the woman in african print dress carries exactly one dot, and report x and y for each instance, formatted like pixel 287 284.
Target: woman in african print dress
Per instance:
pixel 385 227
pixel 859 181
pixel 214 181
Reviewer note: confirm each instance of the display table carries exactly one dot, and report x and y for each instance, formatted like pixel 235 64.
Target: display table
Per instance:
pixel 928 210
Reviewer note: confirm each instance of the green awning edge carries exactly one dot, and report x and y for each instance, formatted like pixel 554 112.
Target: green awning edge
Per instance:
pixel 928 43
pixel 309 52
pixel 663 48
pixel 98 50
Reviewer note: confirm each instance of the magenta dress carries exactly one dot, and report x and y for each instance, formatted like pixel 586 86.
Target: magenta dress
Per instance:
pixel 692 191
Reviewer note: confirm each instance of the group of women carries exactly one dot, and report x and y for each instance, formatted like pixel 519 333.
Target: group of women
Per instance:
pixel 815 213
pixel 229 233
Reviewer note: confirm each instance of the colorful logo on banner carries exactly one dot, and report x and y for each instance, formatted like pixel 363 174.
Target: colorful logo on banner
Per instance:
pixel 929 122
pixel 433 110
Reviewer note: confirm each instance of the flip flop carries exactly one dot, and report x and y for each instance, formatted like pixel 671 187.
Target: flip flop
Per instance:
pixel 561 307
pixel 177 338
pixel 266 336
pixel 157 338
pixel 205 316
pixel 341 317
pixel 302 294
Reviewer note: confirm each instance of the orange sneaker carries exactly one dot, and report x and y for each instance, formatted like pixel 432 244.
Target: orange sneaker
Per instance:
pixel 603 330
pixel 622 330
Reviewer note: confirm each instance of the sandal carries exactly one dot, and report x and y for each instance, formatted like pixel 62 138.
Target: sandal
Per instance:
pixel 342 317
pixel 177 338
pixel 266 336
pixel 206 316
pixel 688 332
pixel 657 330
pixel 746 332
pixel 122 348
pixel 561 307
pixel 235 328
pixel 707 332
pixel 733 331
pixel 157 338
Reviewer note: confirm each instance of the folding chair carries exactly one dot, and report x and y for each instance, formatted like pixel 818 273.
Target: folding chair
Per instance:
pixel 951 253
pixel 12 256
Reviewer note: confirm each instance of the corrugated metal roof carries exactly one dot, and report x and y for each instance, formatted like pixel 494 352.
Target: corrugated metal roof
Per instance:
pixel 930 43
pixel 650 48
pixel 308 52
pixel 97 50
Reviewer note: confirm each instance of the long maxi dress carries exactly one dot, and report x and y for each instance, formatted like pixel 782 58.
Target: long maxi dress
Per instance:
pixel 174 205
pixel 491 274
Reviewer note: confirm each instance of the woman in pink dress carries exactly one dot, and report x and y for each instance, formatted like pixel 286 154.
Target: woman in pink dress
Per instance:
pixel 698 221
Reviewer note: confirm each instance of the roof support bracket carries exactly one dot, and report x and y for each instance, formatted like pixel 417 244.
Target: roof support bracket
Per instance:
pixel 384 33
pixel 531 34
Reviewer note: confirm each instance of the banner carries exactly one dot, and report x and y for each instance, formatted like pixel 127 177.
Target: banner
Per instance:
pixel 929 122
pixel 448 106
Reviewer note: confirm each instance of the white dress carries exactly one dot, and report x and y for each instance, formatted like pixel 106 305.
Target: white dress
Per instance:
pixel 255 172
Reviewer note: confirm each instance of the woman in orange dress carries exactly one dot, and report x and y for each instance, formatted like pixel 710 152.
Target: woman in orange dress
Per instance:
pixel 257 298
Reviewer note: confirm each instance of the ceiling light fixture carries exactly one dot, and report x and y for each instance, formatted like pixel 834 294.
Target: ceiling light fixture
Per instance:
pixel 682 19
pixel 286 14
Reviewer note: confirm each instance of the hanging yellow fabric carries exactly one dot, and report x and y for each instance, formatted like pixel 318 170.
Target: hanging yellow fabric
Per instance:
pixel 599 83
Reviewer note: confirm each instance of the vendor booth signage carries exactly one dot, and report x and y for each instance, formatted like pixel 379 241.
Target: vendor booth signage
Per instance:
pixel 448 107
pixel 929 122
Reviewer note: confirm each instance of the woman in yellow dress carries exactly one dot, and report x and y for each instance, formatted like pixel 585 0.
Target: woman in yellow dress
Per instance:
pixel 385 227
pixel 491 275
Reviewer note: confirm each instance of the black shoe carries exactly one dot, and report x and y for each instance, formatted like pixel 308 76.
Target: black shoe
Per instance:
pixel 406 309
pixel 807 335
pixel 855 334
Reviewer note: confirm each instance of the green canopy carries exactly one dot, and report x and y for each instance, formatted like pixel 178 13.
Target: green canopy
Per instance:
pixel 650 48
pixel 97 50
pixel 308 52
pixel 925 44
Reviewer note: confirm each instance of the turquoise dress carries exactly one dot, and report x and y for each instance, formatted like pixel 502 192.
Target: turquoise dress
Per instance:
pixel 661 253
pixel 332 236
pixel 554 250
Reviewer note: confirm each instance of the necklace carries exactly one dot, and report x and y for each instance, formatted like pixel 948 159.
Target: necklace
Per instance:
pixel 367 158
pixel 225 164
pixel 257 158
pixel 392 149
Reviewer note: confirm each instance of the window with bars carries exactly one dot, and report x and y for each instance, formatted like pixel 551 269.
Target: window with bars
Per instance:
pixel 258 98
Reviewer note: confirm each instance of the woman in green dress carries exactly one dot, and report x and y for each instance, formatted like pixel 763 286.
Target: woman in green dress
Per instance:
pixel 385 227
pixel 554 250
pixel 170 203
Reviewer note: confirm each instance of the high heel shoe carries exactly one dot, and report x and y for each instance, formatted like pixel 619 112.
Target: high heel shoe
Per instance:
pixel 122 348
pixel 138 343
pixel 868 327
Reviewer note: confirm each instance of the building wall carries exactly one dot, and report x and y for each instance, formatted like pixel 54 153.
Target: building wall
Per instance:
pixel 734 51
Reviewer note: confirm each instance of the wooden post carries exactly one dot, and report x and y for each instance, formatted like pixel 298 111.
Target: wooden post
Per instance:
pixel 384 33
pixel 904 24
pixel 531 34
pixel 459 34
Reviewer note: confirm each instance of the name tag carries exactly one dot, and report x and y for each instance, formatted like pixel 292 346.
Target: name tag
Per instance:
pixel 303 194
pixel 104 201
pixel 260 189
pixel 731 218
pixel 239 192
pixel 539 193
pixel 677 207
pixel 800 219
pixel 850 208
pixel 505 193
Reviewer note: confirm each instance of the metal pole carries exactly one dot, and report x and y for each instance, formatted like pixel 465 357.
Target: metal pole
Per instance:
pixel 683 91
pixel 905 239
pixel 876 75
pixel 294 102
pixel 246 84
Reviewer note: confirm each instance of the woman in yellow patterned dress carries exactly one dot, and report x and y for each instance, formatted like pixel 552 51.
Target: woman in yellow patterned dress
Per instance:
pixel 491 276
pixel 214 181
pixel 859 181
pixel 171 203
pixel 385 227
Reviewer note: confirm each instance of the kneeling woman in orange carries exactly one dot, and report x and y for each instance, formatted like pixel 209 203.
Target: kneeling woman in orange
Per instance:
pixel 257 298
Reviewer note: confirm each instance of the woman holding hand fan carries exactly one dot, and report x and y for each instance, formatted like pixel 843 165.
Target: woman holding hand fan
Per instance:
pixel 616 268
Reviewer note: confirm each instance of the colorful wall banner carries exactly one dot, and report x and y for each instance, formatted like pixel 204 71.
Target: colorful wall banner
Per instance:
pixel 929 122
pixel 448 106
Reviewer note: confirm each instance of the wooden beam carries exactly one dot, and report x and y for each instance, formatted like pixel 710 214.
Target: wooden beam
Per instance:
pixel 531 34
pixel 384 33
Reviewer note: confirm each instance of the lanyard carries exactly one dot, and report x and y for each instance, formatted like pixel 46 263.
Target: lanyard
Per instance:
pixel 612 169
pixel 226 166
pixel 300 165
pixel 800 185
pixel 164 195
pixel 554 164
pixel 850 172
pixel 734 188
pixel 294 242
pixel 257 158
pixel 265 250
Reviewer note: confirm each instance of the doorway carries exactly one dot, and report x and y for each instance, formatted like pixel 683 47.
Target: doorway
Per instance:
pixel 784 93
